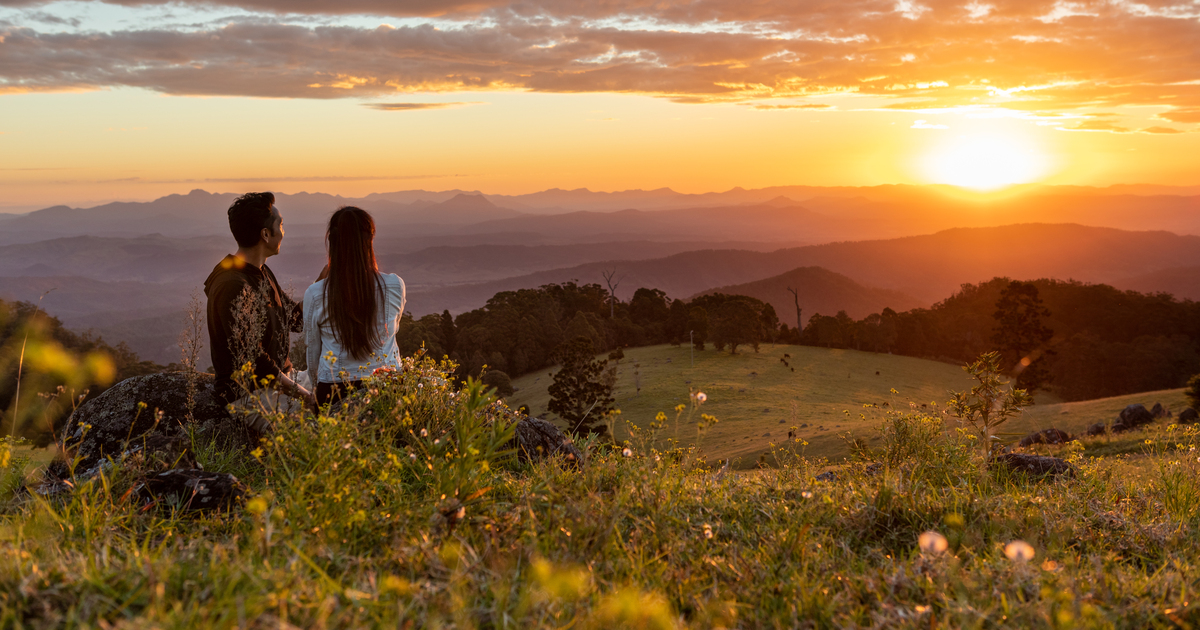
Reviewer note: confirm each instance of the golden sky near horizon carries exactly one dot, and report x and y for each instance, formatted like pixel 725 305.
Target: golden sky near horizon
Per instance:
pixel 132 99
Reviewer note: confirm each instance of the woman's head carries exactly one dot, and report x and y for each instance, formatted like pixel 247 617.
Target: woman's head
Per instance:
pixel 353 290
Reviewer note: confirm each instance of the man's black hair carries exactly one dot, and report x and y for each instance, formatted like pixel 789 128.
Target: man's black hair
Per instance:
pixel 248 215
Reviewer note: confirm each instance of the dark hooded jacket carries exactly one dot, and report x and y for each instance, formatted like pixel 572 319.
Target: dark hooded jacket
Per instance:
pixel 230 279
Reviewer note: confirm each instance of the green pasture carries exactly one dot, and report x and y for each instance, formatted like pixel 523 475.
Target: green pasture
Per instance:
pixel 824 393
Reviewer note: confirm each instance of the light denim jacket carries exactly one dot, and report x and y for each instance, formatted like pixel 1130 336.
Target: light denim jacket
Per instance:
pixel 328 361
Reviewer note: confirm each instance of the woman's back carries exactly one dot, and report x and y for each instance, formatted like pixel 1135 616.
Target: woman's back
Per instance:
pixel 324 343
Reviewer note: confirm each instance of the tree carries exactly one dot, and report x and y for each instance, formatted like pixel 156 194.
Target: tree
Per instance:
pixel 735 323
pixel 1020 335
pixel 582 391
pixel 500 381
pixel 988 404
pixel 796 298
pixel 1193 392
pixel 449 333
pixel 612 289
pixel 698 326
pixel 770 322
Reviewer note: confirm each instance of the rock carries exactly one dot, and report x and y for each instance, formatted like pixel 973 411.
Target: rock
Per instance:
pixel 1158 411
pixel 828 475
pixel 537 439
pixel 1033 465
pixel 1048 436
pixel 112 424
pixel 1097 429
pixel 1131 417
pixel 1188 416
pixel 191 489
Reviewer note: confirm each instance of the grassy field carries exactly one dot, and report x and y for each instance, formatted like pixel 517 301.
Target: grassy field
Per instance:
pixel 758 399
pixel 402 510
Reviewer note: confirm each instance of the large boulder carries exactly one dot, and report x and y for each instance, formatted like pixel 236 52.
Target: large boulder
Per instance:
pixel 117 422
pixel 1033 465
pixel 1188 416
pixel 537 439
pixel 1132 417
pixel 1158 411
pixel 1048 436
pixel 1097 429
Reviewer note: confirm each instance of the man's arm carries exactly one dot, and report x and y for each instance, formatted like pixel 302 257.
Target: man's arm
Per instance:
pixel 290 388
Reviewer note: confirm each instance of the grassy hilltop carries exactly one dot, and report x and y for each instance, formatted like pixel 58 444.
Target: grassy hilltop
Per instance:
pixel 402 509
pixel 758 399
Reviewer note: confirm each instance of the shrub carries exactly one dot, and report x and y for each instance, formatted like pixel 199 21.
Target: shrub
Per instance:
pixel 498 380
pixel 1193 392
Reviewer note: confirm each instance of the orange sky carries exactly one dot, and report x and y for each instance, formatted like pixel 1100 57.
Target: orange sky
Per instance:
pixel 132 100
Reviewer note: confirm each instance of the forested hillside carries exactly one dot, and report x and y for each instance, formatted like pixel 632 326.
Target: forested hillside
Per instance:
pixel 1105 342
pixel 1102 341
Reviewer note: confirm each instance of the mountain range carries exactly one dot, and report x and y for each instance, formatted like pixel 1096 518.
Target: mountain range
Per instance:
pixel 127 269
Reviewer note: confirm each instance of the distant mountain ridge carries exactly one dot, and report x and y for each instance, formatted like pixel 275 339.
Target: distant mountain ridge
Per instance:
pixel 821 291
pixel 837 213
pixel 928 267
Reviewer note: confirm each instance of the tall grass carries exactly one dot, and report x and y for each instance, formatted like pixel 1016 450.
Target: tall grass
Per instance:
pixel 404 507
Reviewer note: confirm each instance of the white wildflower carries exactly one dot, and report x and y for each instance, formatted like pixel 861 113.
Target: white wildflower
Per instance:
pixel 932 542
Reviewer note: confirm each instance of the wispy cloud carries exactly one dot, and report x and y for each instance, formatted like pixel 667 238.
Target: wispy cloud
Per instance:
pixel 1033 55
pixel 412 107
pixel 775 108
pixel 921 124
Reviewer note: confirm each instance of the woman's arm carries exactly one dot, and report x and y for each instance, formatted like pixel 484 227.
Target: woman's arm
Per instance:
pixel 312 334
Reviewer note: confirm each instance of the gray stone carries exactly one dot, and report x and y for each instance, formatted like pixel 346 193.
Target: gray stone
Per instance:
pixel 1158 411
pixel 1132 417
pixel 112 423
pixel 1097 429
pixel 191 490
pixel 1048 436
pixel 1032 465
pixel 1188 416
pixel 537 439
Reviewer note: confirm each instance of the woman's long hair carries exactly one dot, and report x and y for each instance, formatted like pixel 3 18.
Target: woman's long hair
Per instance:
pixel 353 290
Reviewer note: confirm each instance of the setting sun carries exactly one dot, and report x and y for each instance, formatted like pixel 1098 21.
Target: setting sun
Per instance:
pixel 985 162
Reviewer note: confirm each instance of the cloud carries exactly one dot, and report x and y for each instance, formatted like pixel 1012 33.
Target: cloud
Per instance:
pixel 1097 125
pixel 408 107
pixel 921 124
pixel 775 108
pixel 1038 56
pixel 1160 130
pixel 1182 115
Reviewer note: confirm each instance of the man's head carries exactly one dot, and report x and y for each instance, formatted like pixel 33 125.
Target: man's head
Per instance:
pixel 253 219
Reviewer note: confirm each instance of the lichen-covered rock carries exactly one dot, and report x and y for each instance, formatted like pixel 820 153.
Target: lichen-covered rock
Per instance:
pixel 1033 465
pixel 1132 417
pixel 537 439
pixel 113 423
pixel 1048 436
pixel 1188 416
pixel 191 489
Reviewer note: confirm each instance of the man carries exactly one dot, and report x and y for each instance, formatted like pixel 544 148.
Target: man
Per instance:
pixel 249 317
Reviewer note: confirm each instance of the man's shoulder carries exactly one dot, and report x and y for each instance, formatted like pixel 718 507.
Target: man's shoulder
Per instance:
pixel 227 276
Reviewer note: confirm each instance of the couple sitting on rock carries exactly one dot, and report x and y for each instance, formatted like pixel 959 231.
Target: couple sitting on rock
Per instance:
pixel 349 315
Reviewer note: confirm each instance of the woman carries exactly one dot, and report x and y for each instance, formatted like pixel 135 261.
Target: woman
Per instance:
pixel 351 312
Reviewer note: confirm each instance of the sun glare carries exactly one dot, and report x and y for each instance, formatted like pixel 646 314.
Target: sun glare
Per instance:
pixel 985 163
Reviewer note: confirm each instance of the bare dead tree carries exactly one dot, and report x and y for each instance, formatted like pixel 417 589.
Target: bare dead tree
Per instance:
pixel 796 299
pixel 612 289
